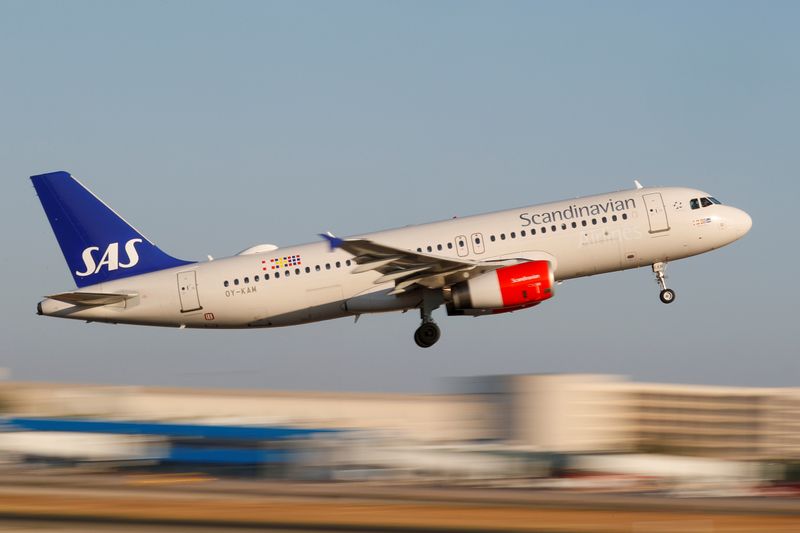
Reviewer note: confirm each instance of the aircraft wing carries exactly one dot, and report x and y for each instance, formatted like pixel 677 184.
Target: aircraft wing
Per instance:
pixel 407 268
pixel 90 298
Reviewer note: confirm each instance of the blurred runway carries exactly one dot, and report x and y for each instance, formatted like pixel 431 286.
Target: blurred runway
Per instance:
pixel 67 503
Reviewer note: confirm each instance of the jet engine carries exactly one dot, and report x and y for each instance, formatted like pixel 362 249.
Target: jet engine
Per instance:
pixel 505 289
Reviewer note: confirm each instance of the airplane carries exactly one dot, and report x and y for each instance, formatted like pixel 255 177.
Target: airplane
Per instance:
pixel 477 265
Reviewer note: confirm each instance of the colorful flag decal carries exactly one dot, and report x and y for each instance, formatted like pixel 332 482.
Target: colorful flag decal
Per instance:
pixel 282 262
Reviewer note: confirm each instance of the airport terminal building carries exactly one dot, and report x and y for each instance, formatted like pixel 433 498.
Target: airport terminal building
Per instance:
pixel 559 413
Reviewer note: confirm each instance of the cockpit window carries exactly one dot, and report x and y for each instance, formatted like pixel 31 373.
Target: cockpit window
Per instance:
pixel 714 200
pixel 705 202
pixel 694 203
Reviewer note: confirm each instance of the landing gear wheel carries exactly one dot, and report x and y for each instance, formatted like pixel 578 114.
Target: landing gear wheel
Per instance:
pixel 667 296
pixel 427 335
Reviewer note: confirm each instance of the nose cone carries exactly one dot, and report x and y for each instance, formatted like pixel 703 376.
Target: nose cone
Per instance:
pixel 742 222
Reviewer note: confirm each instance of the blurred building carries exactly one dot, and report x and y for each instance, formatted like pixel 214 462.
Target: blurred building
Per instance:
pixel 564 413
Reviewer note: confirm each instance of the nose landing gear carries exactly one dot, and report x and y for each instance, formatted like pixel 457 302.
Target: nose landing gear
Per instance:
pixel 666 295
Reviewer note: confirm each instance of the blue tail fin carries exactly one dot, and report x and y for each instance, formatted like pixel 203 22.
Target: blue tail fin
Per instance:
pixel 97 243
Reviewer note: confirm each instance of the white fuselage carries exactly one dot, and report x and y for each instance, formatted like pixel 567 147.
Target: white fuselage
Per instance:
pixel 311 282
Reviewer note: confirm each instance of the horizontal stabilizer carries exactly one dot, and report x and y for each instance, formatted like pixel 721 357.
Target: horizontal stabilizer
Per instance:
pixel 91 298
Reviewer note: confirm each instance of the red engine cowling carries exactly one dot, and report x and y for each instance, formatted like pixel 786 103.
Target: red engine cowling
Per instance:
pixel 505 289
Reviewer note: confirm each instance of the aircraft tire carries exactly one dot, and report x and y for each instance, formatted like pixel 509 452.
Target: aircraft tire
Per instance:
pixel 667 296
pixel 427 334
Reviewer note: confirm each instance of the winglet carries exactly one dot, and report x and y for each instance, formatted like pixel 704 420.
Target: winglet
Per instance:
pixel 333 240
pixel 638 185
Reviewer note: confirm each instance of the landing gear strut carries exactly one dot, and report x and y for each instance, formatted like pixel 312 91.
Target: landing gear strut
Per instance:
pixel 666 295
pixel 428 332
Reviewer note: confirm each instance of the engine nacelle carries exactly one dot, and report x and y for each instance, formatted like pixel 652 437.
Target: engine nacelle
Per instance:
pixel 506 289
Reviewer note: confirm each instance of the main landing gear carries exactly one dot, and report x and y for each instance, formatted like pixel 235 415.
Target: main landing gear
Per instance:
pixel 666 295
pixel 428 332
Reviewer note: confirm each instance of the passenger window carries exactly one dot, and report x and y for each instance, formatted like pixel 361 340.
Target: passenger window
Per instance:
pixel 247 280
pixel 429 249
pixel 236 281
pixel 277 275
pixel 544 229
pixel 256 278
pixel 449 245
pixel 552 228
pixel 613 218
pixel 226 283
pixel 533 231
pixel 583 223
pixel 297 271
pixel 605 220
pixel 317 268
pixel 694 203
pixel 338 264
pixel 461 244
pixel 594 221
pixel 624 216
pixel 574 225
pixel 327 266
pixel 347 262
pixel 492 238
pixel 705 202
pixel 522 233
pixel 563 226
pixel 502 236
pixel 308 269
pixel 286 274
pixel 439 247
pixel 513 234
pixel 266 277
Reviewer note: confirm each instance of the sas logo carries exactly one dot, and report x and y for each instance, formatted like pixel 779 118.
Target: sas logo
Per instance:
pixel 110 258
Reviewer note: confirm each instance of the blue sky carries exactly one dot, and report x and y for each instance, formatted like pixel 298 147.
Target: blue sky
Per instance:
pixel 216 126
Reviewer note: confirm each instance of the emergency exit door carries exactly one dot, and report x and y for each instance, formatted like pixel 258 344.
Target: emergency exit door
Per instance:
pixel 187 289
pixel 656 213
